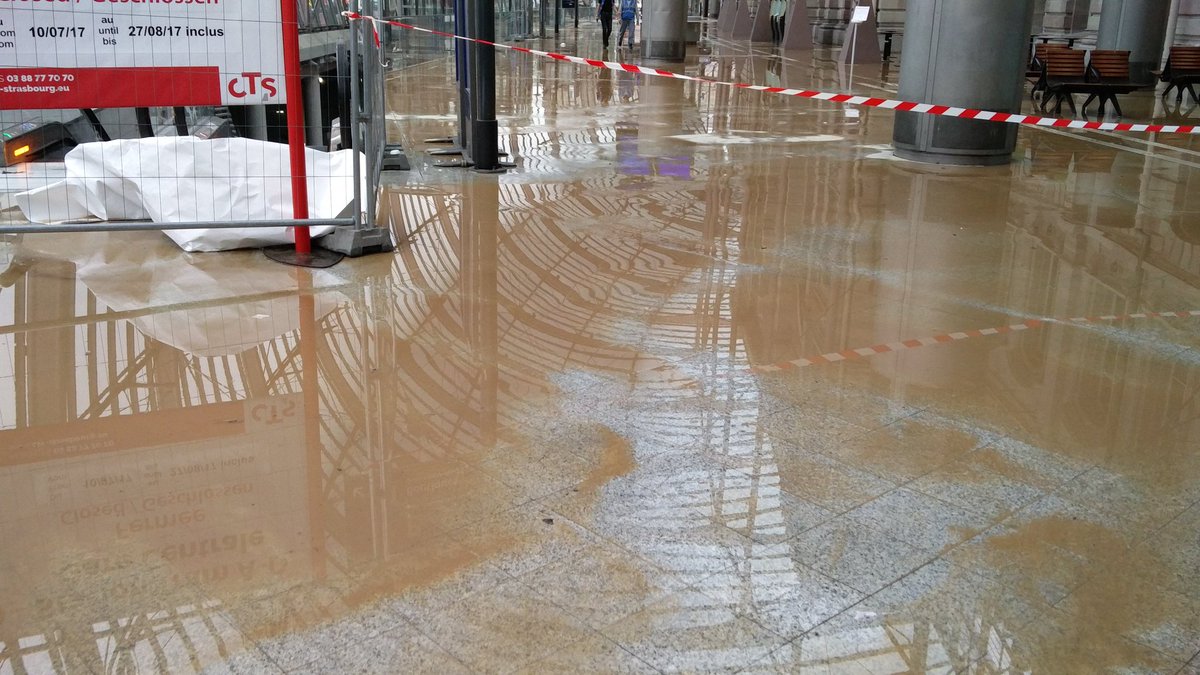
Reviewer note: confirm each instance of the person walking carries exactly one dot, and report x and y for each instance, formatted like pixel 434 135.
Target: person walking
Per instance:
pixel 604 14
pixel 628 20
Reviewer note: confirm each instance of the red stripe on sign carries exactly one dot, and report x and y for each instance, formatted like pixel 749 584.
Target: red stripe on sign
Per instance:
pixel 1061 123
pixel 45 88
pixel 881 349
pixel 906 105
pixel 594 63
pixel 874 102
pixel 773 90
pixel 971 113
pixel 629 68
pixel 560 57
pixel 912 343
pixel 1001 117
pixel 841 98
pixel 665 73
pixel 938 110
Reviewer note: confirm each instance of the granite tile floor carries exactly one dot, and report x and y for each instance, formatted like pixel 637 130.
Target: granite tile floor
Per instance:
pixel 537 438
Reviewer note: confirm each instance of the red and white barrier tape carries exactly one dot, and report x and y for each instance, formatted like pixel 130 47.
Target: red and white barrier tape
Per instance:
pixel 863 352
pixel 865 101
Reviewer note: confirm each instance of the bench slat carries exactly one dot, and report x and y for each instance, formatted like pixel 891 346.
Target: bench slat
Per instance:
pixel 1065 63
pixel 1111 64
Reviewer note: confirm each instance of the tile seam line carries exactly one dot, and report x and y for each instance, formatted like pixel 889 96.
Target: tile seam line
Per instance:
pixel 1016 118
pixel 959 336
pixel 860 601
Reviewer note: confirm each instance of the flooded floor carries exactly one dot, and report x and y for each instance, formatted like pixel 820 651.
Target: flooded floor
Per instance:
pixel 708 382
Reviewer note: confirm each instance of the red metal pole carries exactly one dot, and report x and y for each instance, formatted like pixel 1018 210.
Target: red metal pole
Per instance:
pixel 295 122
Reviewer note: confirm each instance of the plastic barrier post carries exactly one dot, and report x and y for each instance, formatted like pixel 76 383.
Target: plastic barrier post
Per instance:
pixel 295 122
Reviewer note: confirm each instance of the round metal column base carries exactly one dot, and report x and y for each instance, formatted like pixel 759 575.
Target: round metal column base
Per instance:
pixel 953 160
pixel 320 258
pixel 664 50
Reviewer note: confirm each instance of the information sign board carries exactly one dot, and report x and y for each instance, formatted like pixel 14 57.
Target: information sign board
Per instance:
pixel 128 53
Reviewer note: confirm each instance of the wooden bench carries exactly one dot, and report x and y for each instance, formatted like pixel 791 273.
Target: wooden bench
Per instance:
pixel 1040 51
pixel 1108 75
pixel 1064 73
pixel 1182 72
pixel 1037 65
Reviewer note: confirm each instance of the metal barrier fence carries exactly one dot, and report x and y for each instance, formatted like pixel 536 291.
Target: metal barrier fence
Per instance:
pixel 203 177
pixel 363 66
pixel 158 181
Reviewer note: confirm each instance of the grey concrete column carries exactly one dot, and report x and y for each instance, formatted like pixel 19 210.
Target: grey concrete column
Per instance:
pixel 1172 29
pixel 861 42
pixel 256 120
pixel 314 120
pixel 797 31
pixel 1139 26
pixel 50 355
pixel 761 30
pixel 743 22
pixel 660 113
pixel 664 29
pixel 964 53
pixel 728 17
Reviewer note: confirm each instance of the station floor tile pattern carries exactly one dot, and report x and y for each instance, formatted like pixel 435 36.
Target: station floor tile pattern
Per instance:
pixel 533 439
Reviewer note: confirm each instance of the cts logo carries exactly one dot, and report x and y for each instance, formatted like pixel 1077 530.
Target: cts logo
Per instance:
pixel 250 84
pixel 274 412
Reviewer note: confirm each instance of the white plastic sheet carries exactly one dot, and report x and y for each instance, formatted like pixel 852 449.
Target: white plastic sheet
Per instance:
pixel 185 179
pixel 224 328
pixel 200 304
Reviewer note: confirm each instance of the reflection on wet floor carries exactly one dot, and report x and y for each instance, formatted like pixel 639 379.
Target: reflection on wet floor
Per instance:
pixel 533 440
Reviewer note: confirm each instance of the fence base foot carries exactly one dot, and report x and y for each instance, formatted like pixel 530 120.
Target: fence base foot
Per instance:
pixel 445 140
pixel 443 152
pixel 354 243
pixel 320 258
pixel 394 159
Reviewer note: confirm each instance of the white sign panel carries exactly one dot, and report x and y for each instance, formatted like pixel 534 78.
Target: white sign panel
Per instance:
pixel 123 53
pixel 861 14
